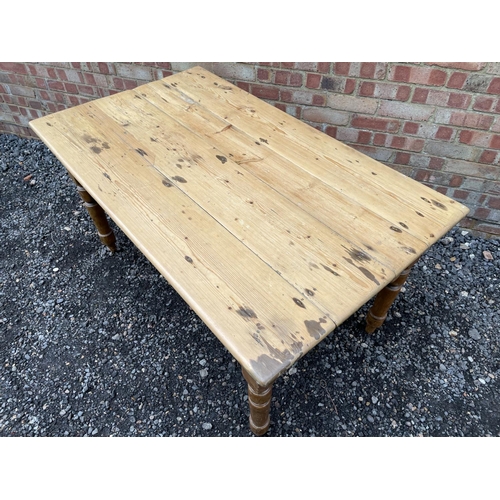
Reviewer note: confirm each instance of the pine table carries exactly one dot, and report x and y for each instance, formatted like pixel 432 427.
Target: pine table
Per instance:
pixel 273 232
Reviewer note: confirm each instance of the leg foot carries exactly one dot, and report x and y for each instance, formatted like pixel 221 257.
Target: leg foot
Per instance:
pixel 384 299
pixel 98 215
pixel 259 399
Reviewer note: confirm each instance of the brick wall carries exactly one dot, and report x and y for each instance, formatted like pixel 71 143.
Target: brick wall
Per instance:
pixel 438 123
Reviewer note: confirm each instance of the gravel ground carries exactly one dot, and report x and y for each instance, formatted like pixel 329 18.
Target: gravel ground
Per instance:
pixel 94 344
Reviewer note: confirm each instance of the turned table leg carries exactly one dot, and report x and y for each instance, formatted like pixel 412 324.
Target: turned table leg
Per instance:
pixel 384 299
pixel 259 398
pixel 98 215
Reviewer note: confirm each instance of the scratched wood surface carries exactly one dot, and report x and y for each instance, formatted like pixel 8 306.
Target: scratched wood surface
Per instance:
pixel 273 232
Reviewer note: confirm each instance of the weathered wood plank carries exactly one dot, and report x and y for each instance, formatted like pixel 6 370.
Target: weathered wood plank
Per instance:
pixel 302 144
pixel 261 319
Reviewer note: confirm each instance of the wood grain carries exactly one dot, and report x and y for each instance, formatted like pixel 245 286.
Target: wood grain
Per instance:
pixel 271 231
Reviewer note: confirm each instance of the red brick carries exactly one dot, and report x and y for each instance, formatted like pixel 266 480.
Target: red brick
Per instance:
pixel 444 133
pixel 367 89
pixel 272 64
pixel 105 70
pixel 282 77
pixel 324 67
pixel 244 86
pixel 318 100
pixel 466 136
pixel 281 106
pixel 342 68
pixel 71 88
pixel 471 120
pixel 375 123
pixel 86 89
pixel 403 93
pixel 287 65
pixel 265 92
pixel 118 83
pixel 459 100
pixel 367 70
pixel 410 128
pixel 313 81
pixel 89 78
pixel 467 66
pixel 494 202
pixel 305 66
pixel 420 95
pixel 379 139
pixel 457 80
pixel 437 77
pixel 350 85
pixel 460 195
pixel 364 137
pixel 422 175
pixel 130 84
pixel 481 213
pixel 263 74
pixel 401 73
pixel 483 103
pixel 494 87
pixel 52 73
pixel 55 85
pixel 331 131
pixel 421 75
pixel 402 158
pixel 14 67
pixel 456 181
pixel 436 163
pixel 495 142
pixel 35 104
pixel 488 156
pixel 442 190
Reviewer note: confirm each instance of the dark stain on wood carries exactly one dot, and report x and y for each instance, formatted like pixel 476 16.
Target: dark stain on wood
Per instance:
pixel 256 338
pixel 402 224
pixel 246 312
pixel 314 328
pixel 299 303
pixel 329 269
pixel 153 139
pixel 141 152
pixel 309 292
pixel 374 173
pixel 369 275
pixel 179 179
pixel 189 259
pixel 263 140
pixel 425 199
pixel 370 248
pixel 439 205
pixel 359 255
pixel 419 214
pixel 409 250
pixel 89 139
pixel 221 158
pixel 105 145
pixel 166 183
pixel 96 150
pixel 178 166
pixel 106 175
pixel 49 124
pixel 257 142
pixel 312 264
pixel 396 229
pixel 260 327
pixel 166 85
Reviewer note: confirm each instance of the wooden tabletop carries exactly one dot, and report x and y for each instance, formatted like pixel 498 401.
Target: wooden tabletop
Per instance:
pixel 273 232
